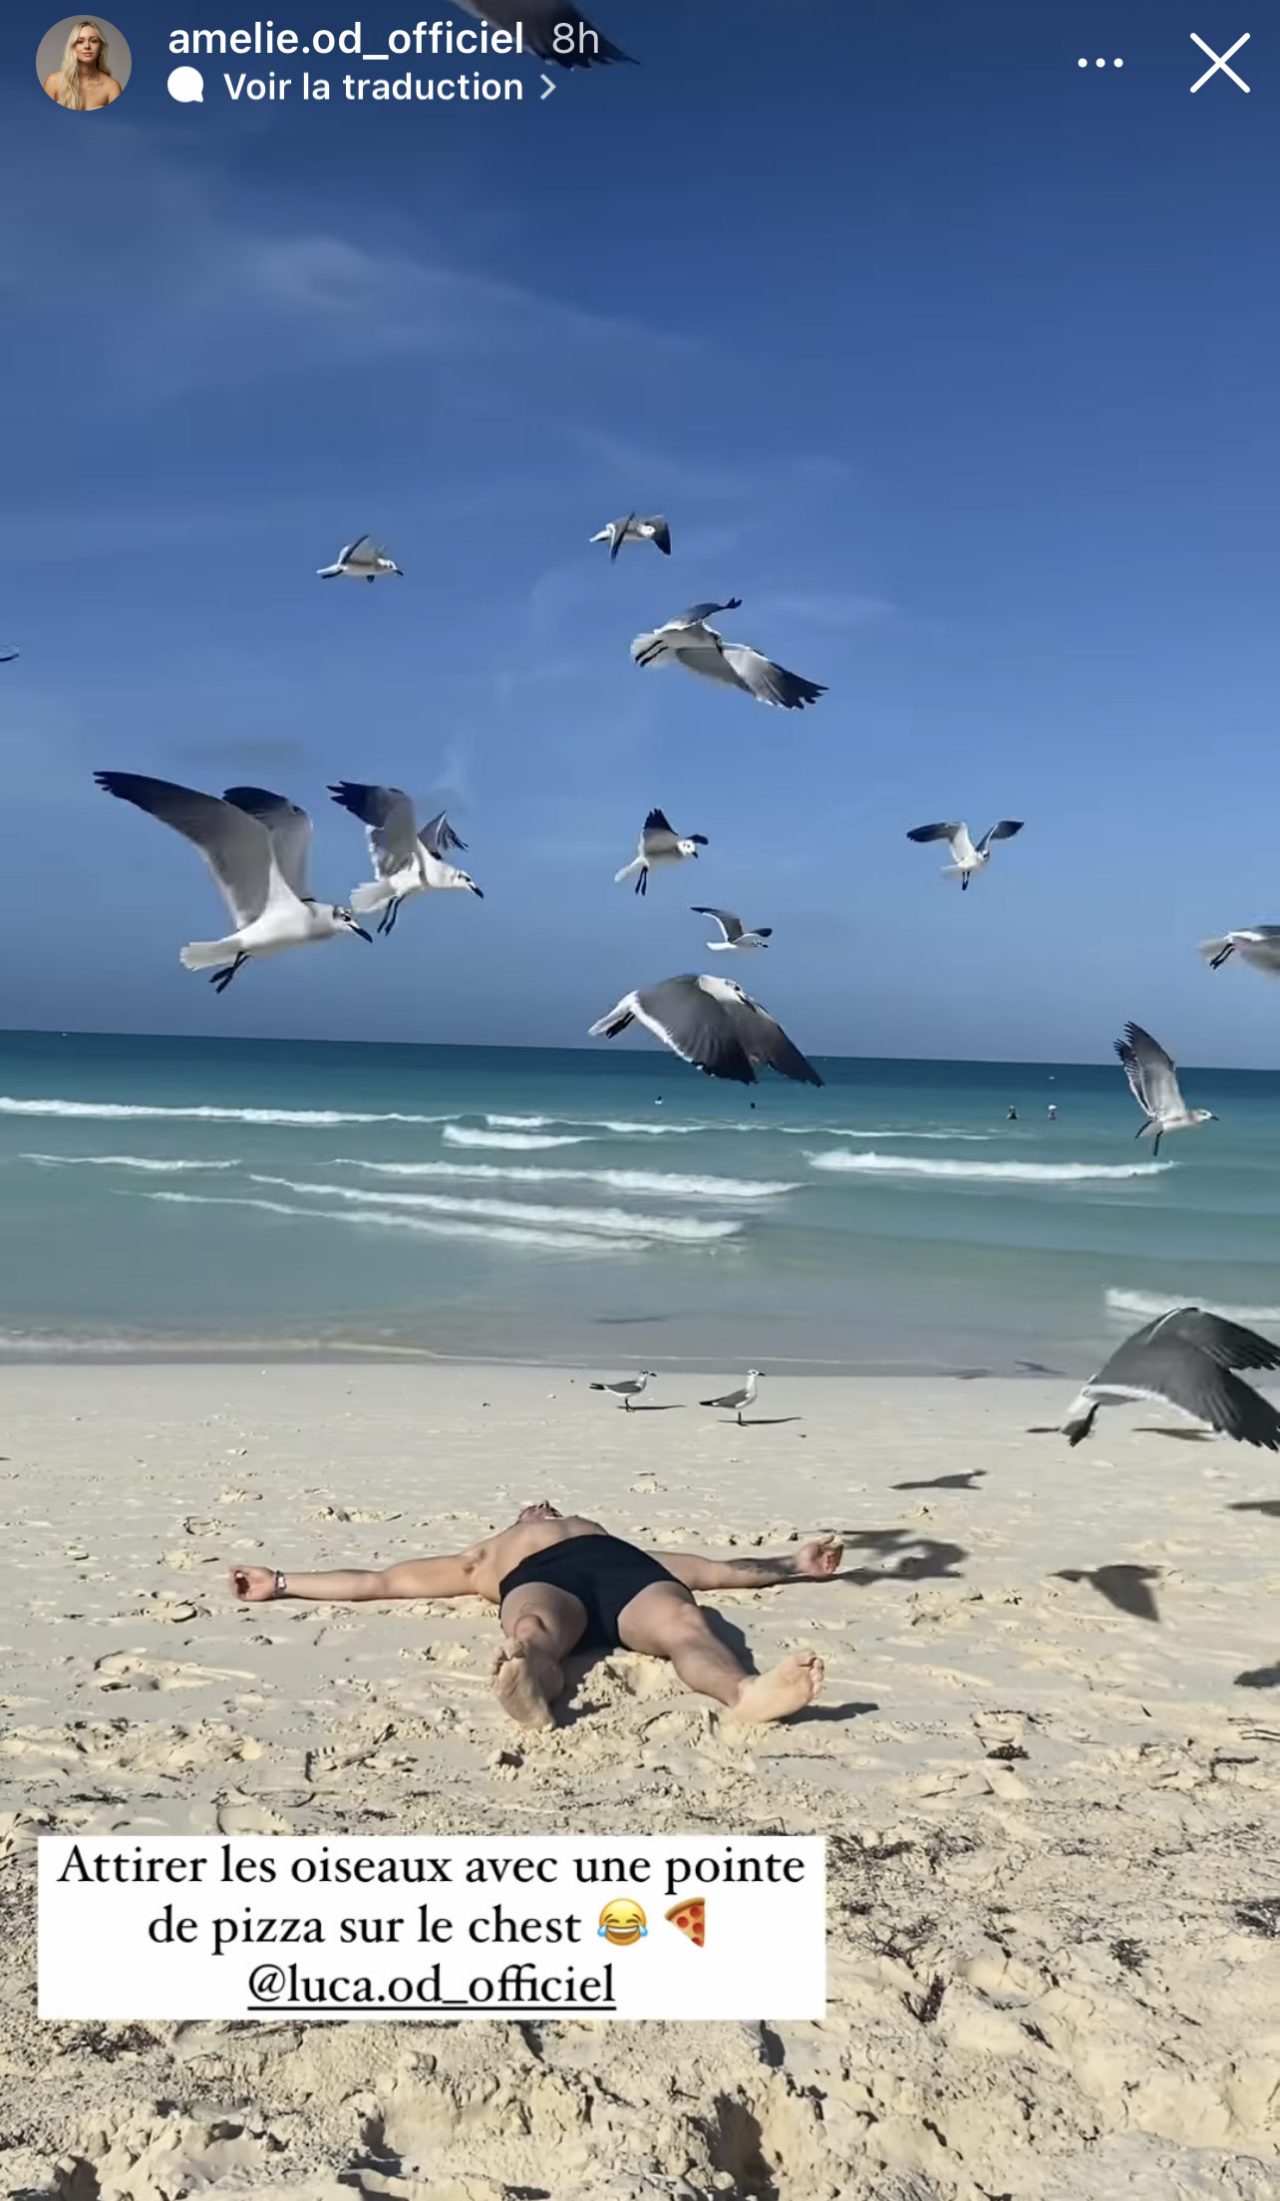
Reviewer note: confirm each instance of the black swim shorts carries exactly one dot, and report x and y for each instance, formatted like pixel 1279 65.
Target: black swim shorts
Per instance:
pixel 602 1572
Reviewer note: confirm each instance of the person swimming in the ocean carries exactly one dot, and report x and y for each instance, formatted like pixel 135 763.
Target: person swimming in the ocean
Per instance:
pixel 1013 1115
pixel 563 1584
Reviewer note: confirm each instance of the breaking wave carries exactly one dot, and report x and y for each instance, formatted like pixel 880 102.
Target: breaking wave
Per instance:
pixel 515 1142
pixel 1020 1173
pixel 126 1111
pixel 666 1184
pixel 122 1161
pixel 545 1241
pixel 1149 1304
pixel 607 1222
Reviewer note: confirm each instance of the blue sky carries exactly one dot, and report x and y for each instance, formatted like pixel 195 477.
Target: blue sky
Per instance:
pixel 955 362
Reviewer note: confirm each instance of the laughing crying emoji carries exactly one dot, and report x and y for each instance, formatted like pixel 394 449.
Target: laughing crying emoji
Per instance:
pixel 622 1922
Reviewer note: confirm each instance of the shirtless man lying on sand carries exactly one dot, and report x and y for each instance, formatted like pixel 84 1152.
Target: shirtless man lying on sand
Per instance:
pixel 564 1584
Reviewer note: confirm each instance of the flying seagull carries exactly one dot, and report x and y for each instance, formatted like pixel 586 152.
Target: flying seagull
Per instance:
pixel 690 642
pixel 733 933
pixel 967 860
pixel 734 1401
pixel 627 1387
pixel 1187 1359
pixel 1258 944
pixel 361 560
pixel 1153 1081
pixel 256 845
pixel 711 1023
pixel 635 530
pixel 658 844
pixel 407 859
pixel 7 656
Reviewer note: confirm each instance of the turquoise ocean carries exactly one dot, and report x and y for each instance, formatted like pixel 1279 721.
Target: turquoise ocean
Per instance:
pixel 611 1209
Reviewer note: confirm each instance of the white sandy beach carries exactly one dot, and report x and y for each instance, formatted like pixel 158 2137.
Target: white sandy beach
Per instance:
pixel 1057 1797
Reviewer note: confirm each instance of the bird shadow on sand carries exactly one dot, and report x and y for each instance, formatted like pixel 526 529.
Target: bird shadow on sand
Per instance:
pixel 1269 1506
pixel 915 1558
pixel 762 1421
pixel 830 1715
pixel 1125 1587
pixel 1173 1429
pixel 1260 1677
pixel 967 1481
pixel 673 1408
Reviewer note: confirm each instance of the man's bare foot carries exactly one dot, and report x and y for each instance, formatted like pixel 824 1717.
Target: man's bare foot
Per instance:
pixel 786 1689
pixel 523 1684
pixel 819 1557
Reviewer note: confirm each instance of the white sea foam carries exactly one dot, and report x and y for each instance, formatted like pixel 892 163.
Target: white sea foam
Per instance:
pixel 1124 1305
pixel 1020 1173
pixel 514 1142
pixel 666 1184
pixel 520 1123
pixel 609 1222
pixel 843 1131
pixel 124 1111
pixel 123 1161
pixel 547 1241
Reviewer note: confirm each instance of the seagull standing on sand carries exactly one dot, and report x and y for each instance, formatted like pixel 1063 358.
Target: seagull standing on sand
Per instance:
pixel 733 933
pixel 627 1387
pixel 1257 944
pixel 711 1023
pixel 407 859
pixel 361 560
pixel 690 642
pixel 1153 1082
pixel 967 860
pixel 1186 1359
pixel 581 45
pixel 633 529
pixel 256 845
pixel 734 1401
pixel 658 844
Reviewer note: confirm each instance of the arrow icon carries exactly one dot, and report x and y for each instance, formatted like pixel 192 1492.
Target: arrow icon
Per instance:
pixel 550 83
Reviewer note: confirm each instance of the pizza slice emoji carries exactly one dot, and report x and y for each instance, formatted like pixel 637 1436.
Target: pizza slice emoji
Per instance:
pixel 691 1918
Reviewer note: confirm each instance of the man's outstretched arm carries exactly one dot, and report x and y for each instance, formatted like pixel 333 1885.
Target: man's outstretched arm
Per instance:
pixel 814 1561
pixel 454 1577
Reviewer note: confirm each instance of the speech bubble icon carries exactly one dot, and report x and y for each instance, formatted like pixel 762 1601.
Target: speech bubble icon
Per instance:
pixel 186 84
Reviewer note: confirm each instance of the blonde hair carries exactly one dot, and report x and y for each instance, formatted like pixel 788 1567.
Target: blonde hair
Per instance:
pixel 70 91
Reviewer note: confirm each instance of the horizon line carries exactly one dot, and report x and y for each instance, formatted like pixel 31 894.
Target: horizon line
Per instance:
pixel 594 1054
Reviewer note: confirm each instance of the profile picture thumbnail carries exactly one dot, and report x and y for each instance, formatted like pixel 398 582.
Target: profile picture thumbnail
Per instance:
pixel 84 63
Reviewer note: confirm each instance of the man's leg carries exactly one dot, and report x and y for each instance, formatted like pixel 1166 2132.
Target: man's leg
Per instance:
pixel 540 1625
pixel 664 1621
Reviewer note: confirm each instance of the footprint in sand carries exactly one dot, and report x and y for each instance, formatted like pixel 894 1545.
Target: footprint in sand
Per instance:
pixel 133 1670
pixel 241 1815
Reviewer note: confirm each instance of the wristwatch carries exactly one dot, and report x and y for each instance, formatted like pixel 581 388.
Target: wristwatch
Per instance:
pixel 282 1584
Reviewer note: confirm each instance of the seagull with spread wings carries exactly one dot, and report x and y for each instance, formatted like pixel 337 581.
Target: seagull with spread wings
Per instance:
pixel 713 1024
pixel 1256 944
pixel 734 935
pixel 1153 1081
pixel 659 845
pixel 966 859
pixel 407 859
pixel 1186 1359
pixel 256 845
pixel 689 641
pixel 634 529
pixel 361 560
